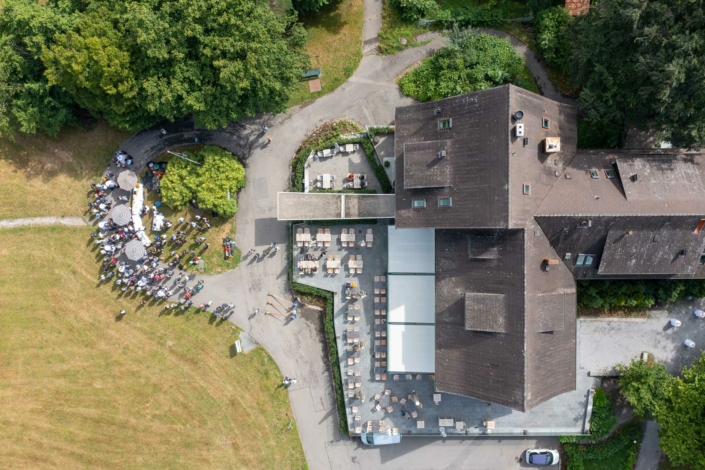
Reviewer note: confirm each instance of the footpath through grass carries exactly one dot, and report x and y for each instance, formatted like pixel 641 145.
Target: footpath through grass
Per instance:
pixel 334 44
pixel 82 390
pixel 41 176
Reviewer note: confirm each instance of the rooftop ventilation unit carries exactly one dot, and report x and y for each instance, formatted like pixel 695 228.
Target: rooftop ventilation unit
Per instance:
pixel 437 112
pixel 526 141
pixel 634 178
pixel 552 144
pixel 519 129
pixel 518 115
pixel 441 154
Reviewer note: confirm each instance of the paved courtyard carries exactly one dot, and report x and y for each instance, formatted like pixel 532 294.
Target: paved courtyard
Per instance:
pixel 607 343
pixel 562 415
pixel 340 165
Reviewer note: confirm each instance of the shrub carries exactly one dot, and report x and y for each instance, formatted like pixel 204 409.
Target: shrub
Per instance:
pixel 412 10
pixel 213 184
pixel 472 62
pixel 602 420
pixel 619 294
pixel 553 37
pixel 623 441
pixel 387 164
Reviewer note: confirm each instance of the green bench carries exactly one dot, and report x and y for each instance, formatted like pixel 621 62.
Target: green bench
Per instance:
pixel 311 74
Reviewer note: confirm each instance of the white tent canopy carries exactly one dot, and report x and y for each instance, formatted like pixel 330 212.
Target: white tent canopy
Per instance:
pixel 412 348
pixel 411 250
pixel 411 299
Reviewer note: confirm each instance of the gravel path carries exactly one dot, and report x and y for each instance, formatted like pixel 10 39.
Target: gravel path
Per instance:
pixel 72 221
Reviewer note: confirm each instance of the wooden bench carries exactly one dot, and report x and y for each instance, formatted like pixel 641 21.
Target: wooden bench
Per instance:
pixel 311 74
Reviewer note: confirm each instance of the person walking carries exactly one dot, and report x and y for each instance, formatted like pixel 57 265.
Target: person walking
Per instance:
pixel 269 139
pixel 256 255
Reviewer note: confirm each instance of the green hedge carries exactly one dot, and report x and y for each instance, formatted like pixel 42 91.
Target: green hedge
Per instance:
pixel 620 448
pixel 620 294
pixel 602 420
pixel 329 329
pixel 299 162
pixel 553 39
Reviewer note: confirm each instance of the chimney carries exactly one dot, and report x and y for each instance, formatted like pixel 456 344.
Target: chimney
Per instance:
pixel 634 178
pixel 441 154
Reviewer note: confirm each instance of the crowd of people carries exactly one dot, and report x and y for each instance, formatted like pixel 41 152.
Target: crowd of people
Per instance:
pixel 151 274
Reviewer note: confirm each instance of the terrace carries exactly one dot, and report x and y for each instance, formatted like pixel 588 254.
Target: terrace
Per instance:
pixel 362 337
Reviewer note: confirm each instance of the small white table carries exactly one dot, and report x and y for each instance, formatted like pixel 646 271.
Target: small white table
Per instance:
pixel 303 237
pixel 347 237
pixel 446 422
pixel 323 237
pixel 326 181
pixel 333 262
pixel 355 263
pixel 307 264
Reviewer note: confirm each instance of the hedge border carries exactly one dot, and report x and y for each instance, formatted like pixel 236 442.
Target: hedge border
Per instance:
pixel 329 331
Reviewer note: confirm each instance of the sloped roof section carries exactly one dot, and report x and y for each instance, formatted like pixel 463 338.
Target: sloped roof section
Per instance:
pixel 485 312
pixel 648 252
pixel 660 178
pixel 427 164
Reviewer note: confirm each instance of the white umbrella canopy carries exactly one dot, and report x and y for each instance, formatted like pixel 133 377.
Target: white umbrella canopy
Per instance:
pixel 121 214
pixel 135 250
pixel 127 180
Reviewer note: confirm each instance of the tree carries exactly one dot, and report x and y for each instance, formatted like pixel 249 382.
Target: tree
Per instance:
pixel 310 6
pixel 412 10
pixel 28 102
pixel 472 62
pixel 136 63
pixel 643 62
pixel 643 385
pixel 553 37
pixel 213 185
pixel 680 413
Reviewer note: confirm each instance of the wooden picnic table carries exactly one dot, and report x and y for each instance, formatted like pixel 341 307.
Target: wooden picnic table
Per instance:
pixel 333 262
pixel 323 237
pixel 355 263
pixel 308 264
pixel 303 237
pixel 347 237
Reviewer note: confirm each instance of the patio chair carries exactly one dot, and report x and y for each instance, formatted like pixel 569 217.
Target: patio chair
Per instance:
pixel 378 334
pixel 395 431
pixel 384 376
pixel 351 394
pixel 384 333
pixel 378 355
pixel 383 291
pixel 383 311
pixel 377 342
pixel 356 317
pixel 377 312
pixel 431 377
pixel 390 408
pixel 350 361
pixel 350 373
pixel 384 300
pixel 384 355
pixel 402 401
pixel 395 377
pixel 357 373
pixel 419 377
pixel 319 231
pixel 359 257
pixel 395 399
pixel 344 230
pixel 377 323
pixel 376 300
pixel 357 417
pixel 307 230
pixel 350 317
pixel 369 230
pixel 414 414
pixel 383 279
pixel 388 392
pixel 408 377
pixel 376 364
pixel 326 231
pixel 357 360
pixel 420 405
pixel 384 342
pixel 358 384
pixel 378 377
pixel 384 364
pixel 358 429
pixel 377 290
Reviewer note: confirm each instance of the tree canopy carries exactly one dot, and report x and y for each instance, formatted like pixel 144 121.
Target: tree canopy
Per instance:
pixel 471 62
pixel 135 63
pixel 643 62
pixel 553 37
pixel 213 185
pixel 677 404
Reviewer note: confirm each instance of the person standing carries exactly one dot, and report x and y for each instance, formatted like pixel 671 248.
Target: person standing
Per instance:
pixel 123 313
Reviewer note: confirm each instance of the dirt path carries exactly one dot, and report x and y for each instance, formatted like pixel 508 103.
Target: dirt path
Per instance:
pixel 73 221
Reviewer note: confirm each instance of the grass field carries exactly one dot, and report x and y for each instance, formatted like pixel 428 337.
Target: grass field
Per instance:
pixel 334 44
pixel 43 176
pixel 82 390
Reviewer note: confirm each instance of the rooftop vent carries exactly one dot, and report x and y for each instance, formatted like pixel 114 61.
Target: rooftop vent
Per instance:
pixel 441 154
pixel 519 129
pixel 552 144
pixel 518 115
pixel 526 141
pixel 682 253
pixel 634 178
pixel 437 112
pixel 567 176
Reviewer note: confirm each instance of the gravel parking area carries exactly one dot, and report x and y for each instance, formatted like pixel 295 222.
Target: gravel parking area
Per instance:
pixel 603 344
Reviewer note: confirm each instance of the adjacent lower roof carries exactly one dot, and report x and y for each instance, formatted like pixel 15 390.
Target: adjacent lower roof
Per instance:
pixel 411 250
pixel 411 299
pixel 334 206
pixel 411 348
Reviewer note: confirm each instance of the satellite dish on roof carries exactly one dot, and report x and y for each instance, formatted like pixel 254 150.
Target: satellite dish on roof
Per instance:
pixel 518 115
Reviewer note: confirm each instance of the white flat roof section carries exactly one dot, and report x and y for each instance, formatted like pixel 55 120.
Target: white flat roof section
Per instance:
pixel 411 348
pixel 411 250
pixel 411 299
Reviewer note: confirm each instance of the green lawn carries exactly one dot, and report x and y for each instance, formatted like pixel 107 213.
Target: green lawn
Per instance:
pixel 394 28
pixel 80 390
pixel 334 44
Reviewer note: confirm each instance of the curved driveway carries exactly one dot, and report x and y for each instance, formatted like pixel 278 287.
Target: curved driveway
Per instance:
pixel 369 96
